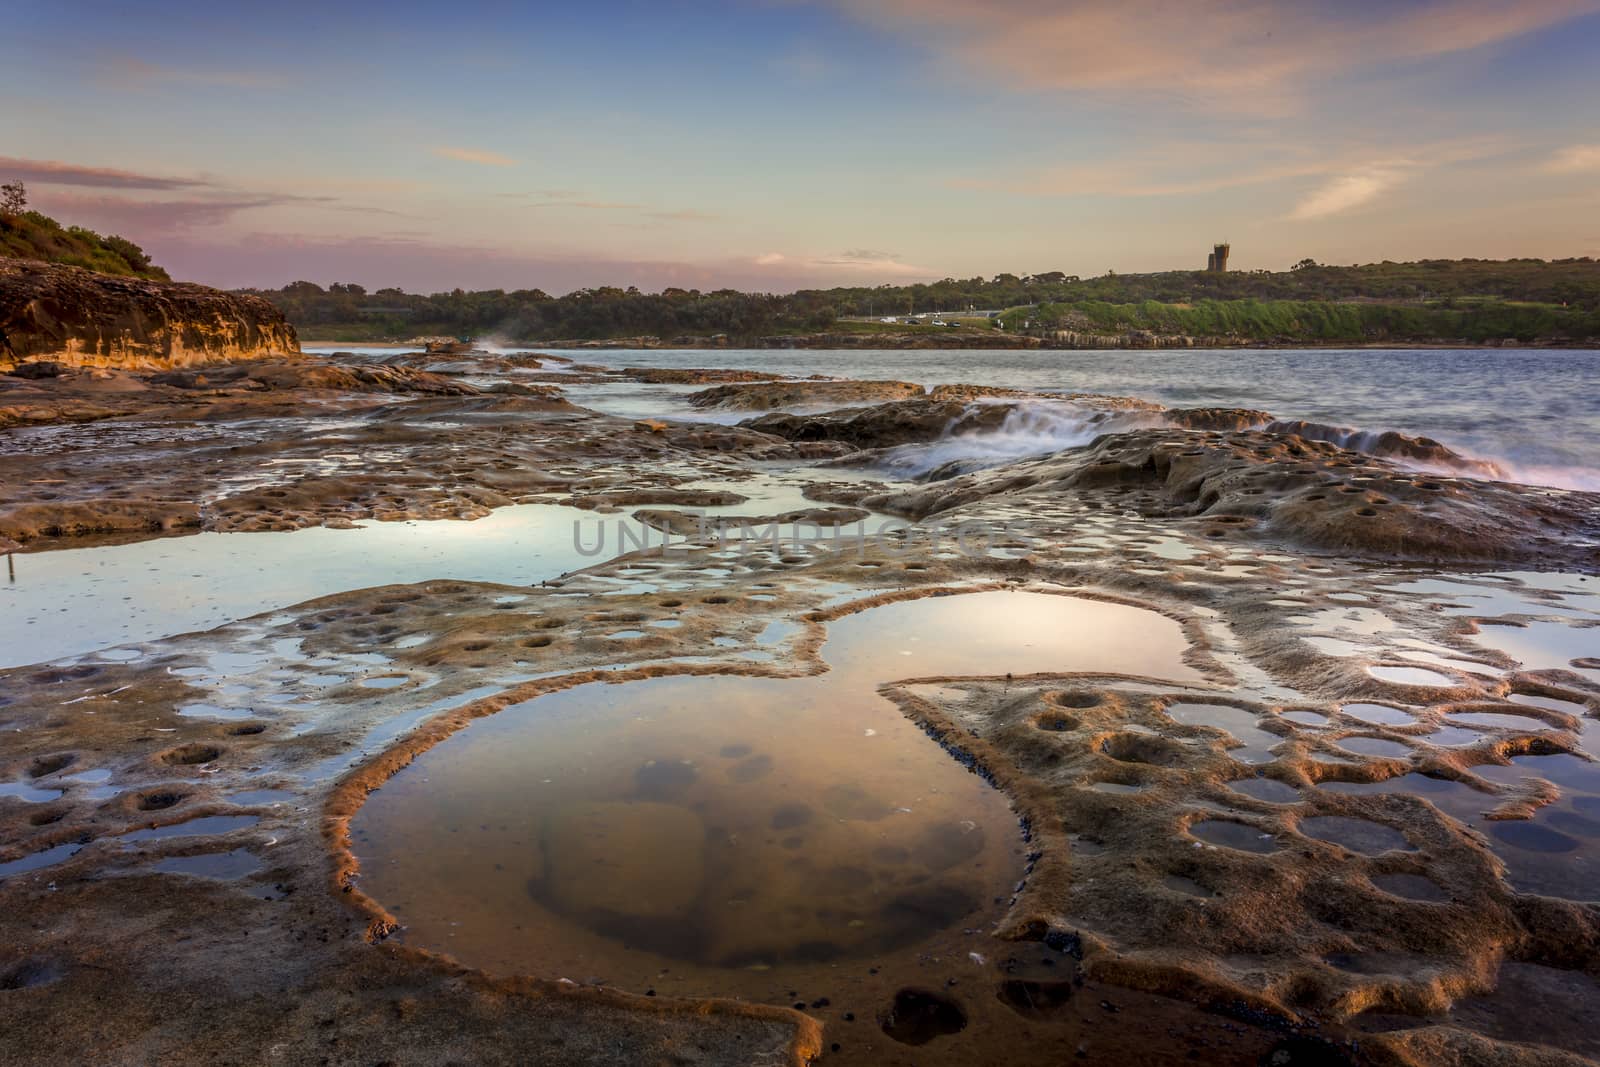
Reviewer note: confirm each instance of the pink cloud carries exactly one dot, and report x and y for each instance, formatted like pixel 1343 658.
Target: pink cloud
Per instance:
pixel 475 155
pixel 418 265
pixel 51 172
pixel 1251 54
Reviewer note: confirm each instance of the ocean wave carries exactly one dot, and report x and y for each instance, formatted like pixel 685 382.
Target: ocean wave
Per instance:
pixel 1031 428
pixel 1428 456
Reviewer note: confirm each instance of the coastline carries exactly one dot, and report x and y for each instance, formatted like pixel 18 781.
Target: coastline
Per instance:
pixel 869 342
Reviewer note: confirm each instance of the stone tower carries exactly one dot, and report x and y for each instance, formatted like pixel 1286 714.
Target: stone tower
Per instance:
pixel 1218 259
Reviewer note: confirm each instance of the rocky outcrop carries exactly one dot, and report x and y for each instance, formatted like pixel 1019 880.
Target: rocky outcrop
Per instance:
pixel 1217 418
pixel 896 423
pixel 1287 489
pixel 1390 444
pixel 694 375
pixel 42 392
pixel 81 318
pixel 779 396
pixel 948 411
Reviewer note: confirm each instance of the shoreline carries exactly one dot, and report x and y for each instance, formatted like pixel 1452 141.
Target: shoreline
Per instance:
pixel 642 344
pixel 1225 795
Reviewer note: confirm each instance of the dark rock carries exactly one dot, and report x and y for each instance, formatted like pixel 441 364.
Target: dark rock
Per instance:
pixel 776 396
pixel 37 369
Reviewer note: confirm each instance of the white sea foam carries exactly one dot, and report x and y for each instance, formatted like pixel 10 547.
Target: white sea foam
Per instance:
pixel 1031 428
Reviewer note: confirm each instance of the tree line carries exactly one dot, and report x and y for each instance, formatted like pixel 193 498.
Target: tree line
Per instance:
pixel 350 311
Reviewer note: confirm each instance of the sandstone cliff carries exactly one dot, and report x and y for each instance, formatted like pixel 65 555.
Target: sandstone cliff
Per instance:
pixel 82 318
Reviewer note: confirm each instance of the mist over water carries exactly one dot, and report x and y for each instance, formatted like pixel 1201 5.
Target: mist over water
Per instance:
pixel 1533 412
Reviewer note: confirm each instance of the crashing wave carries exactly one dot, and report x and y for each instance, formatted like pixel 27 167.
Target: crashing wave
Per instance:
pixel 1030 428
pixel 1420 453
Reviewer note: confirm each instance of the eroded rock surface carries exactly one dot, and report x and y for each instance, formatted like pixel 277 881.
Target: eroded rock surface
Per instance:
pixel 1308 493
pixel 1306 847
pixel 83 318
pixel 773 396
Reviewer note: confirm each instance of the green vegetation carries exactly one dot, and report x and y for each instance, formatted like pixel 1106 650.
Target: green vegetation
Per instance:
pixel 31 235
pixel 1446 300
pixel 1317 321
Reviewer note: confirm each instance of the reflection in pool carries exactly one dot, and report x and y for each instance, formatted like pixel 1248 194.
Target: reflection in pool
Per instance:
pixel 734 835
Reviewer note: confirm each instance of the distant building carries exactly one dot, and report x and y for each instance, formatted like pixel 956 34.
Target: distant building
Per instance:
pixel 1218 259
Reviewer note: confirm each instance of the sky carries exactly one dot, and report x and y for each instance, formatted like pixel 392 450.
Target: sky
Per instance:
pixel 777 144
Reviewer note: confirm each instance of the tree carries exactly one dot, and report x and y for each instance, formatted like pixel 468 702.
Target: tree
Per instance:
pixel 13 198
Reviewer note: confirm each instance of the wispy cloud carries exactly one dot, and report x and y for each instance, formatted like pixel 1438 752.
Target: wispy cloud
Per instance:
pixel 146 218
pixel 415 263
pixel 574 200
pixel 131 72
pixel 1346 192
pixel 479 156
pixel 1249 54
pixel 585 205
pixel 143 217
pixel 1178 169
pixel 684 215
pixel 1350 176
pixel 50 172
pixel 883 265
pixel 1574 159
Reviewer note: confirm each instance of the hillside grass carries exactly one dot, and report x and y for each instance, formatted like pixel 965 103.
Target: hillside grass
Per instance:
pixel 1318 321
pixel 32 235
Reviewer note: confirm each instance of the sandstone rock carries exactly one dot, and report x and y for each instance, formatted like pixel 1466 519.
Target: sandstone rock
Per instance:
pixel 972 392
pixel 1308 493
pixel 1422 451
pixel 693 524
pixel 776 396
pixel 694 375
pixel 1217 418
pixel 895 423
pixel 83 318
pixel 548 392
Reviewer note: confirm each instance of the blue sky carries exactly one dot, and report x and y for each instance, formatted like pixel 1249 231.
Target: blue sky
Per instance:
pixel 776 143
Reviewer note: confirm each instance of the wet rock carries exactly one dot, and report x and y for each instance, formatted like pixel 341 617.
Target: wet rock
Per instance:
pixel 917 1016
pixel 694 375
pixel 895 423
pixel 639 859
pixel 1310 493
pixel 1420 451
pixel 1035 1000
pixel 690 524
pixel 1217 418
pixel 774 396
pixel 548 392
pixel 37 369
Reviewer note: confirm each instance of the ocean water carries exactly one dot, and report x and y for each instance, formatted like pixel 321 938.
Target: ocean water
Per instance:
pixel 1534 411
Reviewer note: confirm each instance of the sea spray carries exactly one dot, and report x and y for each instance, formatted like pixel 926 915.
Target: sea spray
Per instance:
pixel 1031 428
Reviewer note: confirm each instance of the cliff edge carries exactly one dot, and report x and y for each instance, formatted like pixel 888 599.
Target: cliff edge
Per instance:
pixel 87 319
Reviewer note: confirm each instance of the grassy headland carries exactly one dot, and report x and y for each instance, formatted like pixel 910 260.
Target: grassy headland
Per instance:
pixel 32 235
